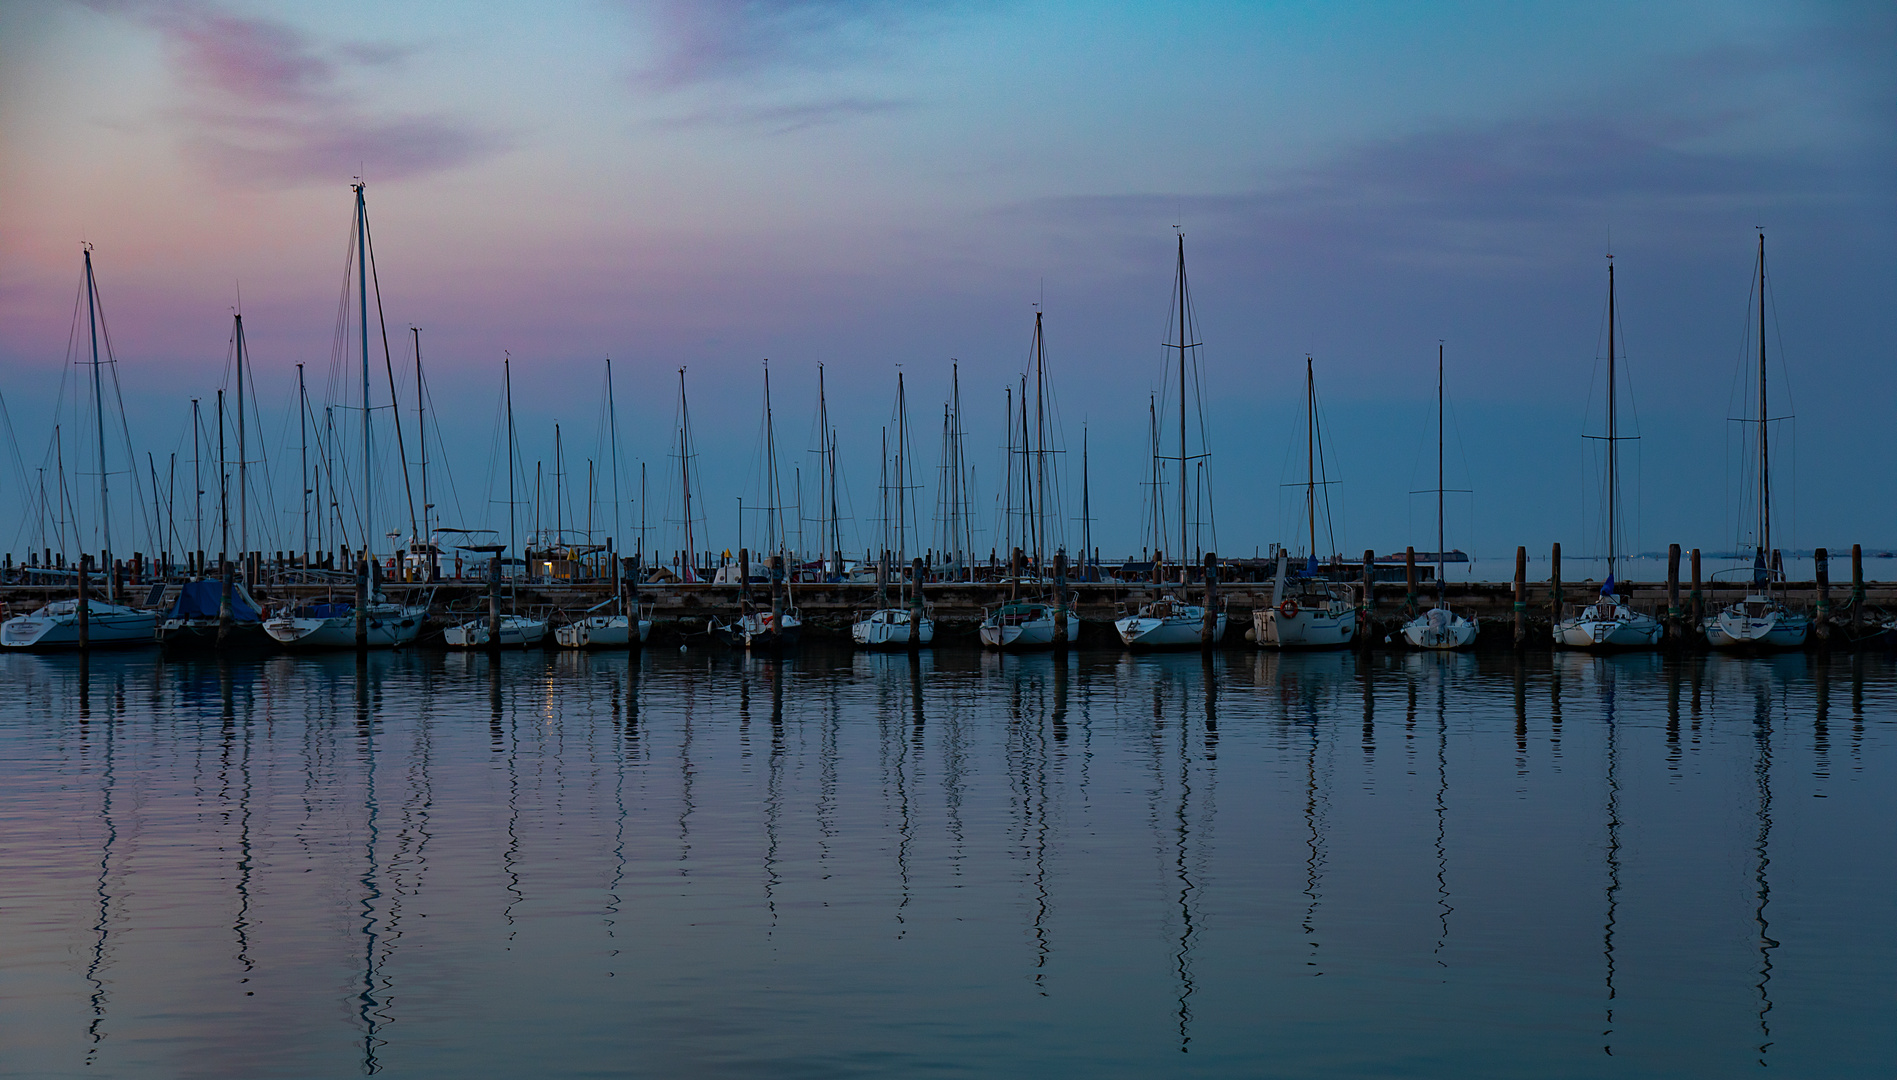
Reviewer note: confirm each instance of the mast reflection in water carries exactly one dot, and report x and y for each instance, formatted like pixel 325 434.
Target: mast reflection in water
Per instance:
pixel 420 864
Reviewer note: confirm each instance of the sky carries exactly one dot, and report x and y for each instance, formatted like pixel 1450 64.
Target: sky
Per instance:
pixel 883 187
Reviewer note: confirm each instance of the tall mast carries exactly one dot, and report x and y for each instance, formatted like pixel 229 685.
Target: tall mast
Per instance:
pixel 685 469
pixel 197 479
pixel 243 453
pixel 1440 560
pixel 559 475
pixel 1086 503
pixel 902 490
pixel 612 436
pixel 303 454
pixel 1182 409
pixel 1613 442
pixel 421 438
pixel 1765 457
pixel 507 391
pixel 1040 443
pixel 1007 510
pixel 1032 523
pixel 1310 453
pixel 362 301
pixel 98 408
pixel 223 485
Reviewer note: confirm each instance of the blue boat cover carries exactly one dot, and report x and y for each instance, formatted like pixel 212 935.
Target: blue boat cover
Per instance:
pixel 200 600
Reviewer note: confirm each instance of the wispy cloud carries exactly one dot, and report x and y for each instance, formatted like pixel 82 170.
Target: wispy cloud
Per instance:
pixel 783 119
pixel 267 103
pixel 702 41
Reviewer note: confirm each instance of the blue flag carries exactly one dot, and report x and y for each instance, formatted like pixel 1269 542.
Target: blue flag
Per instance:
pixel 1607 587
pixel 1760 575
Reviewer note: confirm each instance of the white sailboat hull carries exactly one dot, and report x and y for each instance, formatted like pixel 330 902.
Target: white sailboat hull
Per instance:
pixel 603 632
pixel 389 627
pixel 517 631
pixel 1772 628
pixel 1023 634
pixel 1617 627
pixel 1329 627
pixel 1448 631
pixel 889 629
pixel 1181 631
pixel 52 628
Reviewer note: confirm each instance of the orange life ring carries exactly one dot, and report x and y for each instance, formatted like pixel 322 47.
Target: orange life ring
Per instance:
pixel 1288 609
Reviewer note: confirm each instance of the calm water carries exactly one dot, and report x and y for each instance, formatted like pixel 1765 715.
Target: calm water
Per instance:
pixel 700 864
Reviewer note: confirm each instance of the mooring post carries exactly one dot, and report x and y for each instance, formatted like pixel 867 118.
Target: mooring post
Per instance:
pixel 744 578
pixel 1673 592
pixel 777 596
pixel 1209 625
pixel 1821 570
pixel 1554 584
pixel 882 580
pixel 1014 575
pixel 362 601
pixel 915 602
pixel 1696 598
pixel 225 611
pixel 494 602
pixel 85 602
pixel 1521 596
pixel 1060 601
pixel 1366 605
pixel 1857 587
pixel 1409 581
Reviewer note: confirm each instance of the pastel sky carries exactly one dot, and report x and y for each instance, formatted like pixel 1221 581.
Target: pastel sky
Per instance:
pixel 880 185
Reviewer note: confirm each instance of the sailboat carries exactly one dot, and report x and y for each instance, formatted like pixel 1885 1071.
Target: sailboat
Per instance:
pixel 1761 621
pixel 1307 614
pixel 1171 621
pixel 895 627
pixel 56 625
pixel 1022 624
pixel 380 624
pixel 618 629
pixel 1439 627
pixel 1608 623
pixel 768 629
pixel 516 630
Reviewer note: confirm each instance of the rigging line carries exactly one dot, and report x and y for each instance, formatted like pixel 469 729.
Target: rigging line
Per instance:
pixel 388 361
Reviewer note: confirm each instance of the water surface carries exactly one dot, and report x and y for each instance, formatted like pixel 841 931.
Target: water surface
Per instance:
pixel 839 865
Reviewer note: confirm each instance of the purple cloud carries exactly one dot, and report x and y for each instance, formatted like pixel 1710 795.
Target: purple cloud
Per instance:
pixel 268 103
pixel 704 41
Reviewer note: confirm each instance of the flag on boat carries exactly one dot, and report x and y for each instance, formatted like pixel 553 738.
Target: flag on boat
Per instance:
pixel 1760 575
pixel 1607 587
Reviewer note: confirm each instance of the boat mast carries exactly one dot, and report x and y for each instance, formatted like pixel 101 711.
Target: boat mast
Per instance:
pixel 1310 453
pixel 1007 510
pixel 362 302
pixel 902 488
pixel 1040 445
pixel 507 391
pixel 223 485
pixel 685 470
pixel 1086 505
pixel 197 479
pixel 421 438
pixel 98 409
pixel 612 436
pixel 774 538
pixel 1765 457
pixel 243 454
pixel 1183 565
pixel 1613 442
pixel 303 456
pixel 1440 555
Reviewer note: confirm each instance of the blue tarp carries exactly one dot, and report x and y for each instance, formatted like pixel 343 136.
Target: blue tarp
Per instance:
pixel 201 599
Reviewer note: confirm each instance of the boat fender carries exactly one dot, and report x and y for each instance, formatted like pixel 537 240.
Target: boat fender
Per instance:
pixel 1288 609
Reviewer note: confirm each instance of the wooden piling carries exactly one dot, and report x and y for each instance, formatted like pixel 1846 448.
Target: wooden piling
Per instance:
pixel 1060 601
pixel 226 611
pixel 1673 592
pixel 1209 626
pixel 1857 588
pixel 1366 604
pixel 1554 584
pixel 362 601
pixel 85 602
pixel 1697 598
pixel 1521 597
pixel 915 603
pixel 1821 570
pixel 777 595
pixel 1409 581
pixel 1014 575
